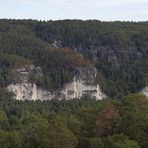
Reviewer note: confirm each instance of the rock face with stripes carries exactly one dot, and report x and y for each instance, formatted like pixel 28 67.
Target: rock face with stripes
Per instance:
pixel 28 91
pixel 82 85
pixel 79 88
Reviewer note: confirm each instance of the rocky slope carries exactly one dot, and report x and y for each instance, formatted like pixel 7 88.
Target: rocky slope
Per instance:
pixel 118 50
pixel 82 84
pixel 145 91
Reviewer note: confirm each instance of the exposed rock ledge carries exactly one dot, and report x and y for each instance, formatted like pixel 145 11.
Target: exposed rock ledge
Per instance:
pixel 76 89
pixel 23 90
pixel 145 91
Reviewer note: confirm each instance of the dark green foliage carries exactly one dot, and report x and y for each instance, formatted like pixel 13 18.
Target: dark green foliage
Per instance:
pixel 19 46
pixel 114 141
pixel 118 49
pixel 134 113
pixel 75 123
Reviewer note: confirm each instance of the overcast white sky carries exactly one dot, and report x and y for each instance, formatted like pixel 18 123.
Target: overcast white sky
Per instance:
pixel 105 10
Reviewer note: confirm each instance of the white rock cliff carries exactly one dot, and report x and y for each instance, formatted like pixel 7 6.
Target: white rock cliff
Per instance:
pixel 80 86
pixel 145 91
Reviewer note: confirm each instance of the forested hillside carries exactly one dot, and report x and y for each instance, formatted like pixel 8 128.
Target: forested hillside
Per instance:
pixel 83 123
pixel 119 50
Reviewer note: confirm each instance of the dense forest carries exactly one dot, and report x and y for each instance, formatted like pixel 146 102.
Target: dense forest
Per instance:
pixel 83 123
pixel 119 50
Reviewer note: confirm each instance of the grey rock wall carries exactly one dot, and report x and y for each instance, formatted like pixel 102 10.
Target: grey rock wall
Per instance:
pixel 82 84
pixel 145 91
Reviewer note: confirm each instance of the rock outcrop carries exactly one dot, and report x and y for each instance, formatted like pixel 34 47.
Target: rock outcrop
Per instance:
pixel 82 84
pixel 79 88
pixel 28 91
pixel 145 91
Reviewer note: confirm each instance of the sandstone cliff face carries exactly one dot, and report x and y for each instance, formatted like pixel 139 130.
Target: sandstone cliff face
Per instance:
pixel 28 91
pixel 145 91
pixel 82 84
pixel 79 88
